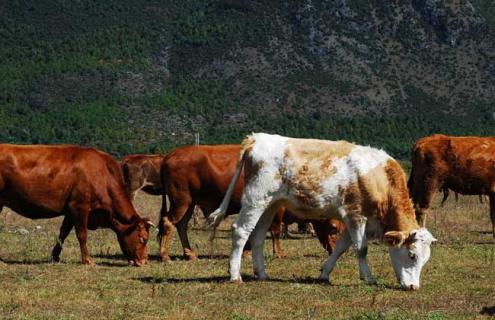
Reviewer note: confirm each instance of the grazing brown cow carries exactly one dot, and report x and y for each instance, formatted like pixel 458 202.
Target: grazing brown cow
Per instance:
pixel 200 175
pixel 462 164
pixel 83 184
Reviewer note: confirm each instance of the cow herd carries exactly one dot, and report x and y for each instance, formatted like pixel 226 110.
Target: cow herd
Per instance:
pixel 348 192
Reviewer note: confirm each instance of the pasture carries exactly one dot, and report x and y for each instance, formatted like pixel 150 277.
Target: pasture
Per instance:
pixel 458 282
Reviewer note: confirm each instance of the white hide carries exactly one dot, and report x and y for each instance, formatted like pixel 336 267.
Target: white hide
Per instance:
pixel 267 188
pixel 408 262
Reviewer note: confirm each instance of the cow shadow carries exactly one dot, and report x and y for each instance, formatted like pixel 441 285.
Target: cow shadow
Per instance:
pixel 488 311
pixel 155 257
pixel 62 262
pixel 248 279
pixel 25 262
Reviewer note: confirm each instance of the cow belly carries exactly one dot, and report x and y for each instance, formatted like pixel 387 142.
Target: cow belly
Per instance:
pixel 469 186
pixel 32 211
pixel 307 212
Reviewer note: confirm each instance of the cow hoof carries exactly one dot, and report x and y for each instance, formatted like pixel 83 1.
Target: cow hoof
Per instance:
pixel 323 278
pixel 165 259
pixel 190 256
pixel 236 281
pixel 55 259
pixel 280 255
pixel 263 277
pixel 370 281
pixel 89 262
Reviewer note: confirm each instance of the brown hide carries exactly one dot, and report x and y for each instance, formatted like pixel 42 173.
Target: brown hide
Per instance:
pixel 83 184
pixel 464 165
pixel 142 172
pixel 200 175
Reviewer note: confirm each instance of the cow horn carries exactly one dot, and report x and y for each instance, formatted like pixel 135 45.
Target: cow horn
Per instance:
pixel 395 238
pixel 148 222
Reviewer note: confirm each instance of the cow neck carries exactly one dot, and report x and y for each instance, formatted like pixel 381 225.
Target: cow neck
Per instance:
pixel 123 210
pixel 399 214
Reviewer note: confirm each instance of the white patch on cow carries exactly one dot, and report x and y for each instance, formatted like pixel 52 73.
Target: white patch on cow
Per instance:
pixel 269 151
pixel 408 261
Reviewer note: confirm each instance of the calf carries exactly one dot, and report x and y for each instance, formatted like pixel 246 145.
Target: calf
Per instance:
pixel 318 179
pixel 461 164
pixel 82 184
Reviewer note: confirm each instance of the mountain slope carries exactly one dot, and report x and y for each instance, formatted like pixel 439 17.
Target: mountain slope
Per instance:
pixel 143 77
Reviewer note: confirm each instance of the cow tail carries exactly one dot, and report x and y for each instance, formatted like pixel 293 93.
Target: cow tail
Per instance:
pixel 219 214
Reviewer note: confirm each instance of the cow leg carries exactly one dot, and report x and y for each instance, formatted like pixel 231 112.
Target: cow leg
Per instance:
pixel 357 231
pixel 165 228
pixel 241 230
pixel 342 245
pixel 257 241
pixel 276 231
pixel 445 196
pixel 81 224
pixel 492 211
pixel 184 239
pixel 65 229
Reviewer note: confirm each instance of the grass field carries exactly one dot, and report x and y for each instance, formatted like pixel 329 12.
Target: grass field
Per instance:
pixel 457 283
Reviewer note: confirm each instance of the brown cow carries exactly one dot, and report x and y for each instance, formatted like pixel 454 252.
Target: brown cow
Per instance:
pixel 200 175
pixel 82 184
pixel 142 172
pixel 462 164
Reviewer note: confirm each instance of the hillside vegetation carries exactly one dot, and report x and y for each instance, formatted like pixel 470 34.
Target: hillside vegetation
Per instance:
pixel 144 76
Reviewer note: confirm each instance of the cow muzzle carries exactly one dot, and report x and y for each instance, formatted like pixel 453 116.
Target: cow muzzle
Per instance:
pixel 411 287
pixel 138 263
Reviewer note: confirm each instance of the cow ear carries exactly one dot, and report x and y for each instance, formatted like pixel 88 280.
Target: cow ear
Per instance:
pixel 119 227
pixel 395 238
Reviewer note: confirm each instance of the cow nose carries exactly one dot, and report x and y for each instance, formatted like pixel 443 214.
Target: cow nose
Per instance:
pixel 413 287
pixel 140 263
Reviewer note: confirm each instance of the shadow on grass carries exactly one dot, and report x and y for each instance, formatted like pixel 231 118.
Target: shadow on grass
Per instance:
pixel 488 311
pixel 248 279
pixel 123 262
pixel 26 262
pixel 482 232
pixel 155 257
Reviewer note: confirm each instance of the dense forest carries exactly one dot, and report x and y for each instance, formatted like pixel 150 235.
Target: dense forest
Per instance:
pixel 145 76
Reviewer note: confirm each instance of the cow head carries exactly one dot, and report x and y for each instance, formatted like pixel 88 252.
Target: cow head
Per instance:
pixel 409 252
pixel 133 240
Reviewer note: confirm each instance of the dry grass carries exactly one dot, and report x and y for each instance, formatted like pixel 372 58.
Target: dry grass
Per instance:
pixel 458 282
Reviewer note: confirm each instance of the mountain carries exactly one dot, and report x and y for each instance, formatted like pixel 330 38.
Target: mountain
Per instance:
pixel 145 76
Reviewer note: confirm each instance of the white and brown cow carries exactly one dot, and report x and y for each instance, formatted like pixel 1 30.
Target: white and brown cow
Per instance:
pixel 318 179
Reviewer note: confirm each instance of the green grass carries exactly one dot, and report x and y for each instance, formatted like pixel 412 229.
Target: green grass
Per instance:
pixel 457 283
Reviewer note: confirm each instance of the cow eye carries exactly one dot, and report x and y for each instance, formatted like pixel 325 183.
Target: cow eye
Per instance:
pixel 413 256
pixel 142 240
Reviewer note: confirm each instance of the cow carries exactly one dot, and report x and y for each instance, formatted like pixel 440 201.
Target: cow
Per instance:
pixel 84 185
pixel 318 179
pixel 461 164
pixel 199 175
pixel 142 172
